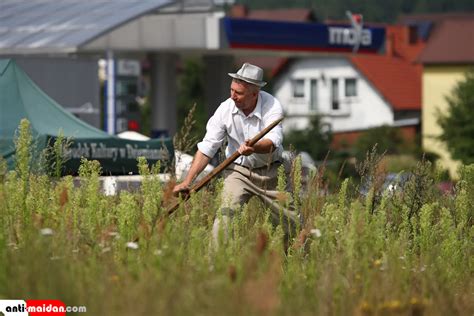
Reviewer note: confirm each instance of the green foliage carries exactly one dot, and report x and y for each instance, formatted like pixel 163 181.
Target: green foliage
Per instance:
pixel 185 140
pixel 464 215
pixel 315 140
pixel 151 191
pixel 3 168
pixel 388 140
pixel 127 217
pixel 89 172
pixel 53 157
pixel 191 98
pixel 456 123
pixel 23 150
pixel 297 182
pixel 410 252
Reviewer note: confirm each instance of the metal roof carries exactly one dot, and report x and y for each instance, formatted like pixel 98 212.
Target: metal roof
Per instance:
pixel 63 26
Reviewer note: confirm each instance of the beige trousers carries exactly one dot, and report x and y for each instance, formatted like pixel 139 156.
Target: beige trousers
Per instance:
pixel 241 183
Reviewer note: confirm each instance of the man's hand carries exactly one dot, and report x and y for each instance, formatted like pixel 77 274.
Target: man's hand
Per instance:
pixel 182 188
pixel 200 162
pixel 245 149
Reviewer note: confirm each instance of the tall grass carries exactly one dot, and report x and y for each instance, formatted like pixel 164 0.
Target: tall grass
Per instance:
pixel 401 252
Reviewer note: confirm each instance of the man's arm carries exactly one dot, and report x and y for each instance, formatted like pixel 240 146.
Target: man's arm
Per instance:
pixel 264 146
pixel 200 162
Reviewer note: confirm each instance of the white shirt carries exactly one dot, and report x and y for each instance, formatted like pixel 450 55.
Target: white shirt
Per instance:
pixel 229 121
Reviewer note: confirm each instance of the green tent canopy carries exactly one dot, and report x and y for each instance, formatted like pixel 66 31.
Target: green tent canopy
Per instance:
pixel 21 98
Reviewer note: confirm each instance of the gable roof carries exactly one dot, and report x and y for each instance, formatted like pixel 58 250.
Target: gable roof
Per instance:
pixel 399 81
pixel 450 36
pixel 452 42
pixel 434 17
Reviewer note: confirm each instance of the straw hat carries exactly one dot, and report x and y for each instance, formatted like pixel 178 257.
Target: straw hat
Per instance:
pixel 251 74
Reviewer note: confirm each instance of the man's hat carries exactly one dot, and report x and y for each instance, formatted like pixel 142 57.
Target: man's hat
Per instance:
pixel 251 74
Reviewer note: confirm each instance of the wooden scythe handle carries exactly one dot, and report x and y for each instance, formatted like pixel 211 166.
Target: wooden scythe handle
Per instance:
pixel 198 186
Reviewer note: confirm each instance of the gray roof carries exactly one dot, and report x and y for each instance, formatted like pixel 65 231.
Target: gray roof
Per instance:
pixel 63 26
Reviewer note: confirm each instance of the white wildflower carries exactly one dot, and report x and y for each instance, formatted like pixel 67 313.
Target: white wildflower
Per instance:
pixel 316 232
pixel 132 245
pixel 114 234
pixel 46 231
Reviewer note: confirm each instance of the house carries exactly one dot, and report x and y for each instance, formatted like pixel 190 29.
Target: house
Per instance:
pixel 355 92
pixel 448 54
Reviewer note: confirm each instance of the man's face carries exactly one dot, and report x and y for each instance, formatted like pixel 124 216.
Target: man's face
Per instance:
pixel 244 95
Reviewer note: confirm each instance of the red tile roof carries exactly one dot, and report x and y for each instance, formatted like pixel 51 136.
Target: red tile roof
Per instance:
pixel 452 42
pixel 292 15
pixel 435 17
pixel 398 80
pixel 451 38
pixel 398 43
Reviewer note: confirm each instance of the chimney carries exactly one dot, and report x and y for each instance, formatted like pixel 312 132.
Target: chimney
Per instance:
pixel 239 11
pixel 389 42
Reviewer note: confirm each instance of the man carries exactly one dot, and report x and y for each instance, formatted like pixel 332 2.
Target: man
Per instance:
pixel 255 173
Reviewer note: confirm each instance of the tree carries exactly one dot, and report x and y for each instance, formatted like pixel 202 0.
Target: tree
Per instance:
pixel 457 123
pixel 387 138
pixel 190 93
pixel 315 140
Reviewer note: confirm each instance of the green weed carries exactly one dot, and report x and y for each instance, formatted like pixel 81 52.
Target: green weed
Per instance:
pixel 407 251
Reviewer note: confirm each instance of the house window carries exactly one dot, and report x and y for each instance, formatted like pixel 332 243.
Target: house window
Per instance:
pixel 313 105
pixel 298 88
pixel 350 87
pixel 335 94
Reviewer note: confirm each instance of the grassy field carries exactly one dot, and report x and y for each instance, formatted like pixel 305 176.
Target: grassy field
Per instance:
pixel 402 252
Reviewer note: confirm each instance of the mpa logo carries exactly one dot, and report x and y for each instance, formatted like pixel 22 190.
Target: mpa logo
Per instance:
pixel 355 36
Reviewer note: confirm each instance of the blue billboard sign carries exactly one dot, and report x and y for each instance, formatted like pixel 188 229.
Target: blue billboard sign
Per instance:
pixel 299 36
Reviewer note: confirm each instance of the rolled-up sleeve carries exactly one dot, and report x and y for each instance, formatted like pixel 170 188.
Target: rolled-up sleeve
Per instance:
pixel 276 134
pixel 215 134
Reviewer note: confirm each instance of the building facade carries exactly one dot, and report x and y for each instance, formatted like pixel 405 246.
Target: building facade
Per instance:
pixel 448 55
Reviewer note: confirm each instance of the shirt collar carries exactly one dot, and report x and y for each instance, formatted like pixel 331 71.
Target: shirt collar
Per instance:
pixel 257 111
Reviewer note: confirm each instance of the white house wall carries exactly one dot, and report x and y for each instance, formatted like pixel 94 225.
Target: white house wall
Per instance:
pixel 367 109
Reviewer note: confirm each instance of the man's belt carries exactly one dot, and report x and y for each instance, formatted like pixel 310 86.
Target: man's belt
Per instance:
pixel 253 168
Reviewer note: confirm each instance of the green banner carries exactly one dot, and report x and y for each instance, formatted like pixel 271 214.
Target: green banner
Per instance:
pixel 117 156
